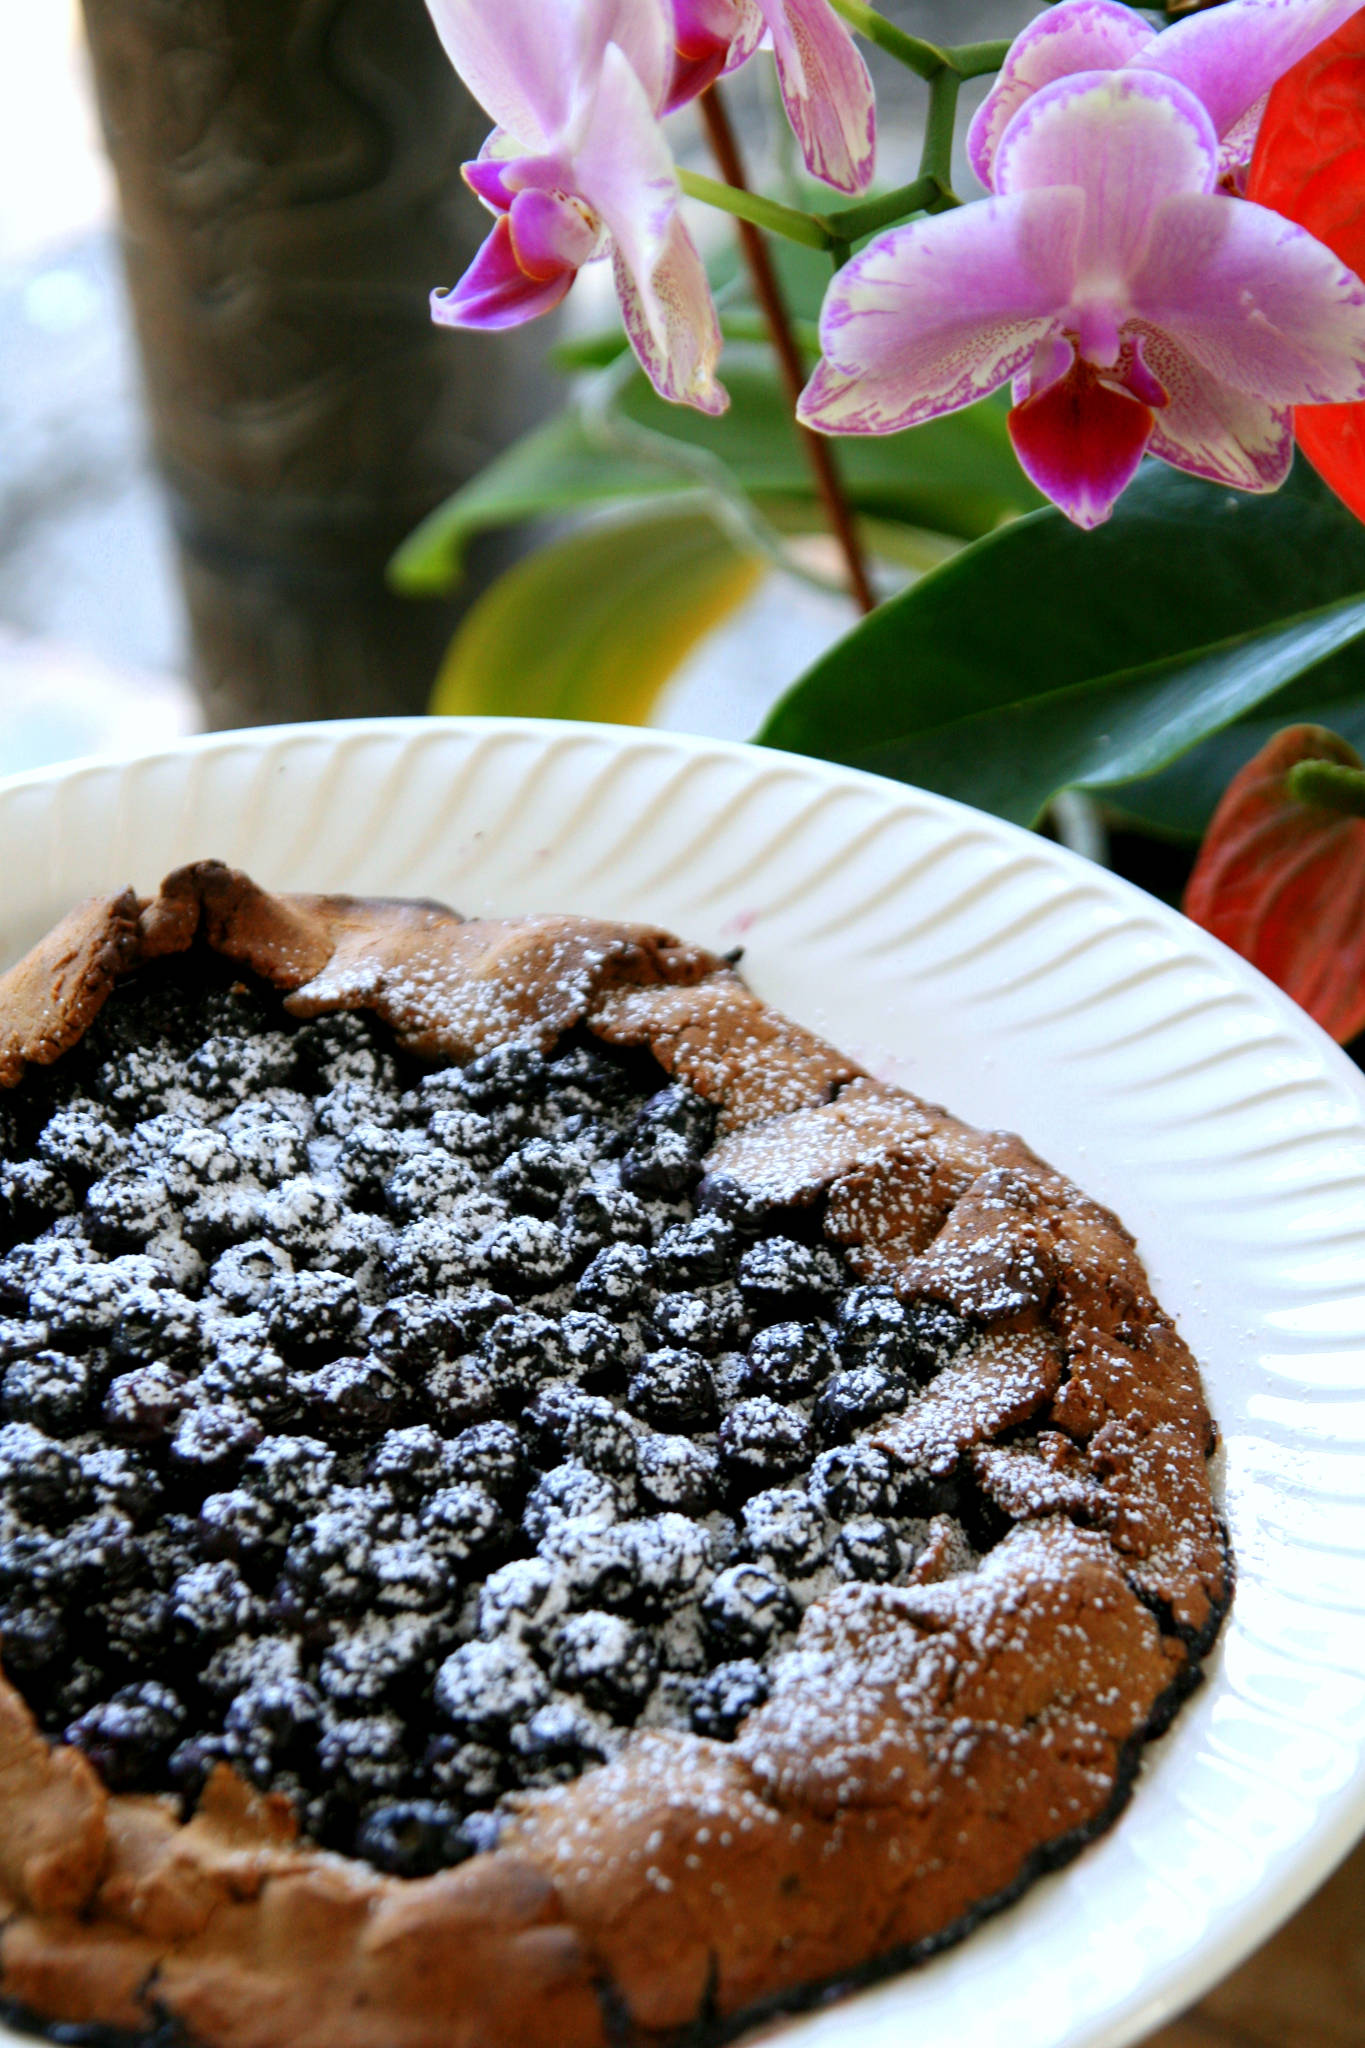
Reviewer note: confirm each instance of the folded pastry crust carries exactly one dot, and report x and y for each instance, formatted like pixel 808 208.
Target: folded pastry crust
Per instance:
pixel 928 1750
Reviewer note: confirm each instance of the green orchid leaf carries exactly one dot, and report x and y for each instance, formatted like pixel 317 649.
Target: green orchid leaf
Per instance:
pixel 1043 658
pixel 955 476
pixel 1180 802
pixel 593 625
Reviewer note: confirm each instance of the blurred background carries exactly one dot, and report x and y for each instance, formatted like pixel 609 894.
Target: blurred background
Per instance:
pixel 136 606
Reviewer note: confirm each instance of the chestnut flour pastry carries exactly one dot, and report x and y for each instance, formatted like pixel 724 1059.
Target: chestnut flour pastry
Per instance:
pixel 538 1502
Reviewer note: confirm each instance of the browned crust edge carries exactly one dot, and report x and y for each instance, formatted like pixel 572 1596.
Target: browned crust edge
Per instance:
pixel 690 1879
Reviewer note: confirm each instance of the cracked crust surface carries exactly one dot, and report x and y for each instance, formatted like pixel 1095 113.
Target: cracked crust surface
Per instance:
pixel 927 1748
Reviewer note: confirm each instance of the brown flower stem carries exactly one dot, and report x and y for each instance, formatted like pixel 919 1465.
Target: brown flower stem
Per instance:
pixel 768 292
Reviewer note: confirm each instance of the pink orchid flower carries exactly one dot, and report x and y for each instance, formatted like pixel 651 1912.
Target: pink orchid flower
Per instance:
pixel 1137 308
pixel 825 84
pixel 1228 57
pixel 578 169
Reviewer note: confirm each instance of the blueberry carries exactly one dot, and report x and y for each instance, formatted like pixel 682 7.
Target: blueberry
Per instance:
pixel 329 1563
pixel 558 1742
pixel 81 1139
pixel 33 1639
pixel 211 1602
pixel 693 1254
pixel 224 1215
pixel 506 1074
pixel 144 1406
pixel 20 1340
pixel 141 1081
pixel 490 1454
pixel 854 1480
pixel 762 1441
pixel 867 1549
pixel 369 1155
pixel 785 1529
pixel 593 1349
pixel 934 1334
pixel 275 1717
pixel 519 1351
pixel 245 1373
pixel 723 1699
pixel 593 1562
pixel 428 1183
pixel 673 1559
pixel 705 1319
pixel 412 1331
pixel 127 1736
pixel 48 1389
pixel 411 1462
pixel 526 1255
pixel 564 1422
pixel 39 1476
pixel 210 1443
pixel 365 1756
pixel 571 1492
pixel 300 1214
pixel 871 1327
pixel 522 1598
pixel 599 1214
pixel 410 1575
pixel 229 1066
pixel 246 1275
pixel 436 1255
pixel 746 1607
pixel 351 1103
pixel 744 1209
pixel 790 1359
pixel 158 1325
pixel 462 1392
pixel 464 1771
pixel 667 1143
pixel 535 1176
pixel 312 1313
pixel 780 1272
pixel 582 1078
pixel 857 1397
pixel 458 1522
pixel 464 1132
pixel 352 1399
pixel 618 1280
pixel 201 1157
pixel 482 1688
pixel 606 1659
pixel 270 1147
pixel 673 1472
pixel 412 1838
pixel 292 1475
pixel 382 1655
pixel 674 1391
pixel 239 1525
pixel 117 1479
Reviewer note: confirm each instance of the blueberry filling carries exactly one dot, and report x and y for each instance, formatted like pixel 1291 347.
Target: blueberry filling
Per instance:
pixel 405 1436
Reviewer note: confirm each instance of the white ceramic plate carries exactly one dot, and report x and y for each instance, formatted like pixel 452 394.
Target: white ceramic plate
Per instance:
pixel 998 973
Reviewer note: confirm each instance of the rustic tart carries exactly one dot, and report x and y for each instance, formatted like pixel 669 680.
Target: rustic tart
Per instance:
pixel 538 1502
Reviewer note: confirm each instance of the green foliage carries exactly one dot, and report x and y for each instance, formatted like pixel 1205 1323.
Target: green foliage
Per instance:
pixel 1043 658
pixel 956 476
pixel 592 626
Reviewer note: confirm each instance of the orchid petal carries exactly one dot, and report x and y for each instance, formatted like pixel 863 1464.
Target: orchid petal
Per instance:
pixel 826 90
pixel 1255 300
pixel 495 291
pixel 551 235
pixel 714 37
pixel 1081 442
pixel 936 314
pixel 671 320
pixel 1231 437
pixel 644 33
pixel 1080 35
pixel 1128 140
pixel 1230 56
pixel 521 60
pixel 624 170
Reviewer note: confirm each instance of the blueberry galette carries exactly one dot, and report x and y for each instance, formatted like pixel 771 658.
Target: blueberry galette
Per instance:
pixel 538 1502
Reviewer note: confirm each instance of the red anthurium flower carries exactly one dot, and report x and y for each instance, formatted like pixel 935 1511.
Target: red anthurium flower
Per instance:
pixel 1282 881
pixel 1310 165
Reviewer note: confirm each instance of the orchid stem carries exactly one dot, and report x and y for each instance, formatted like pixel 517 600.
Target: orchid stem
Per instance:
pixel 1330 786
pixel 926 60
pixel 756 211
pixel 768 292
